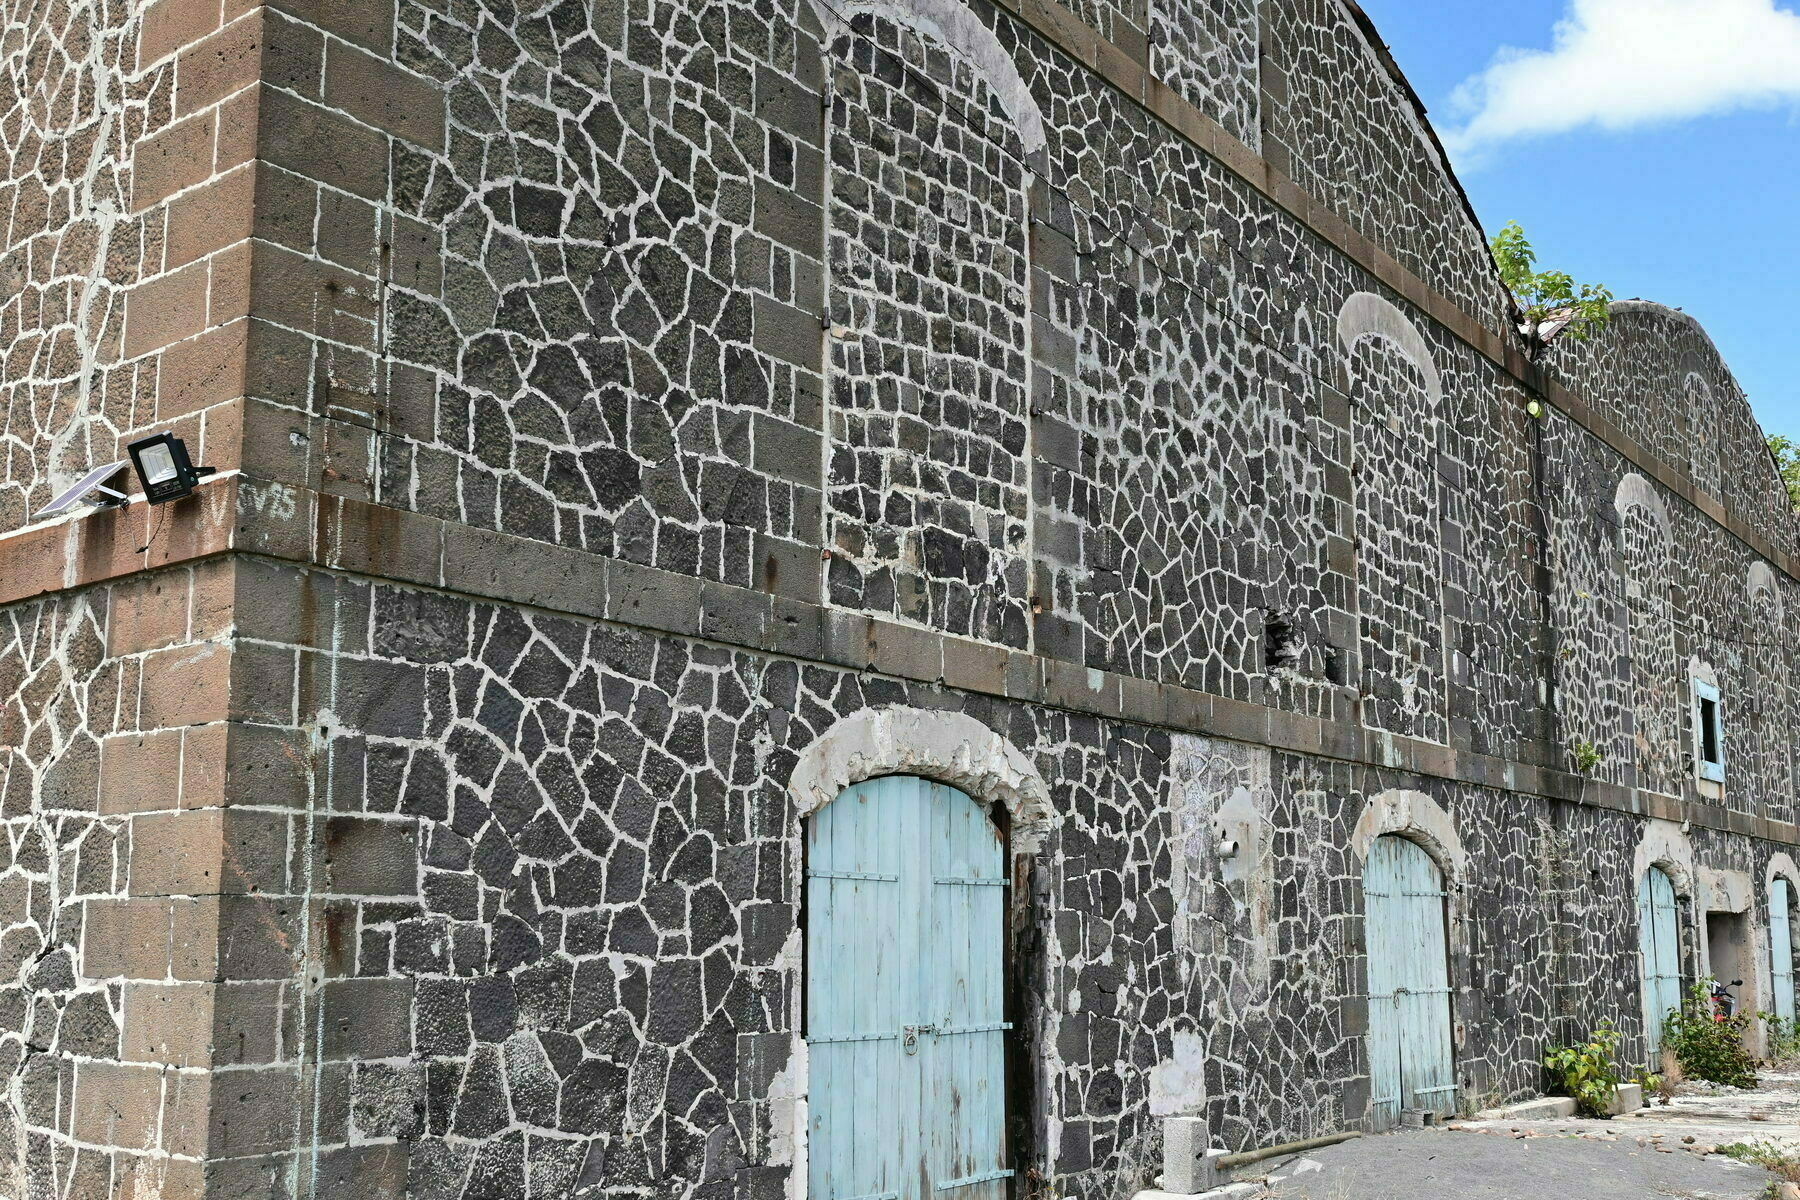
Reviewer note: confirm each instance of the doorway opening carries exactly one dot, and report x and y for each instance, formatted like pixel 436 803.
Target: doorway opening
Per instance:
pixel 1659 956
pixel 1411 1056
pixel 1781 948
pixel 1731 958
pixel 906 1024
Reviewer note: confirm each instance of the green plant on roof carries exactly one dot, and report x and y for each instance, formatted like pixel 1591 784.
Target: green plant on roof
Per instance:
pixel 1548 304
pixel 1786 453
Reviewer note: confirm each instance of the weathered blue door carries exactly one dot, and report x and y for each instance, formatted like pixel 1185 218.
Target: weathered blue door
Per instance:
pixel 1659 949
pixel 905 920
pixel 1411 1061
pixel 1781 950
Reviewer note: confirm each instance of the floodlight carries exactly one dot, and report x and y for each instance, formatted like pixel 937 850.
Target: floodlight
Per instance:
pixel 91 489
pixel 162 466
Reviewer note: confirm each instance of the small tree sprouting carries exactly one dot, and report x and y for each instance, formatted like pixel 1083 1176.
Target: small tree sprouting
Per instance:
pixel 1547 303
pixel 1786 453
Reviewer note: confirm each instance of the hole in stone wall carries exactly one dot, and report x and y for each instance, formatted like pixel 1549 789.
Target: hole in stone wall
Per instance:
pixel 1282 641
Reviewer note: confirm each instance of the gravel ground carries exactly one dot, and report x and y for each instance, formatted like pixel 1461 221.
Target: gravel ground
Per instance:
pixel 1655 1152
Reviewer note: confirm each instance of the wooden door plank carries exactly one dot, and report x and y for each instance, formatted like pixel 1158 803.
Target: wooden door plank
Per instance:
pixel 1411 1053
pixel 1381 886
pixel 1781 950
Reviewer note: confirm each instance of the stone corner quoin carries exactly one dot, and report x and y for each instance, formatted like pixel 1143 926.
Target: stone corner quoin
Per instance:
pixel 705 495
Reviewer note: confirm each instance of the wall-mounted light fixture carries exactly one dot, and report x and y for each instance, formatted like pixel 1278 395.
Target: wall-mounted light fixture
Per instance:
pixel 163 467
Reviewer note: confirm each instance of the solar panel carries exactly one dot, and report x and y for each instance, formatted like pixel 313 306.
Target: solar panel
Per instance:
pixel 91 489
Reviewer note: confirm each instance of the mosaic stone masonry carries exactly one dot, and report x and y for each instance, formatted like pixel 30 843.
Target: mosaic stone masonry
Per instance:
pixel 613 398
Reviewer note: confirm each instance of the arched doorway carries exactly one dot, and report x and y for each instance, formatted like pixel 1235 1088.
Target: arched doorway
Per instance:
pixel 1659 950
pixel 905 998
pixel 1781 949
pixel 1411 1059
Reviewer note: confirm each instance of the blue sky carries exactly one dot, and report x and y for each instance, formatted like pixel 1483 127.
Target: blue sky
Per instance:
pixel 1649 145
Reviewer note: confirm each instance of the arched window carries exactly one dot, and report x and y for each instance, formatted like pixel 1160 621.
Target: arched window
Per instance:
pixel 928 252
pixel 1395 393
pixel 1768 765
pixel 1658 698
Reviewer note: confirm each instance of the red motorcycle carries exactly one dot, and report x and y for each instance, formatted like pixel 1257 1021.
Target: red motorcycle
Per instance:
pixel 1724 1003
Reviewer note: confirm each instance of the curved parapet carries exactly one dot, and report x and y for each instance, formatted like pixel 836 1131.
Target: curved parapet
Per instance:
pixel 1656 373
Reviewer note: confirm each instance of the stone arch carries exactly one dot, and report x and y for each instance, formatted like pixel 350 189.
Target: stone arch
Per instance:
pixel 1416 817
pixel 1365 314
pixel 1634 491
pixel 955 24
pixel 1780 866
pixel 950 747
pixel 1665 846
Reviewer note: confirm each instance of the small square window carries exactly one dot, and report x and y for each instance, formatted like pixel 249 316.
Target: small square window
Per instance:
pixel 1709 732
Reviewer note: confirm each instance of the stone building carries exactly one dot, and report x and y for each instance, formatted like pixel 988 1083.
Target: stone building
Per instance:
pixel 639 421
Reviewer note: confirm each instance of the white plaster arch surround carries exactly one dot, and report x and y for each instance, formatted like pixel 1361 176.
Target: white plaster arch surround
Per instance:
pixel 1634 491
pixel 950 747
pixel 1761 578
pixel 955 24
pixel 1419 818
pixel 1367 315
pixel 1664 845
pixel 1781 866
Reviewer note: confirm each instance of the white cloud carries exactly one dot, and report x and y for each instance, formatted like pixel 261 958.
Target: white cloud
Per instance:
pixel 1620 63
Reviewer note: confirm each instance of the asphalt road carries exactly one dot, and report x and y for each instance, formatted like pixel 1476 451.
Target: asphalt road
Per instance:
pixel 1440 1165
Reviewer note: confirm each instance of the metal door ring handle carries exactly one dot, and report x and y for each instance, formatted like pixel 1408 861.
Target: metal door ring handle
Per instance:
pixel 909 1040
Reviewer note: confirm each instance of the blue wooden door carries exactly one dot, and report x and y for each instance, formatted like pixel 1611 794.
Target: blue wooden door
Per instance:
pixel 1781 950
pixel 905 912
pixel 1411 1060
pixel 1659 951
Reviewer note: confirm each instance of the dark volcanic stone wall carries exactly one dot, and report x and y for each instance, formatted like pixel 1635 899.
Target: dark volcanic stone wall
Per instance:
pixel 891 326
pixel 92 143
pixel 588 374
pixel 599 946
pixel 1658 375
pixel 1400 576
pixel 599 957
pixel 1210 54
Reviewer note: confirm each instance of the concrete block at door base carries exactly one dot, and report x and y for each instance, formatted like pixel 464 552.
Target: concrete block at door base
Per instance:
pixel 1188 1167
pixel 1628 1098
pixel 1223 1192
pixel 1549 1108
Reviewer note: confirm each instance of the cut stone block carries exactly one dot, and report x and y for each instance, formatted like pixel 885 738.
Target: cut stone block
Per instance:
pixel 1628 1098
pixel 1547 1108
pixel 1187 1160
